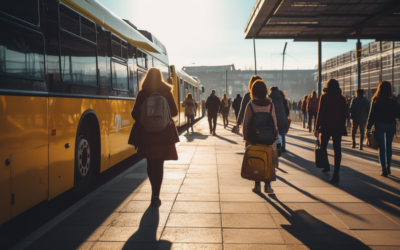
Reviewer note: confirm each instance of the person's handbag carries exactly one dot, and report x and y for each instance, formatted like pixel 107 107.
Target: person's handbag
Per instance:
pixel 321 157
pixel 372 142
pixel 289 121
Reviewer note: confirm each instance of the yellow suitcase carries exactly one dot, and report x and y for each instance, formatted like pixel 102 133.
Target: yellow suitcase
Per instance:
pixel 258 164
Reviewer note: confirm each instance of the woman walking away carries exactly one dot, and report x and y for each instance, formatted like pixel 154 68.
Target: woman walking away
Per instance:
pixel 260 103
pixel 331 122
pixel 236 105
pixel 384 110
pixel 280 111
pixel 245 100
pixel 159 146
pixel 303 108
pixel 312 109
pixel 225 107
pixel 190 110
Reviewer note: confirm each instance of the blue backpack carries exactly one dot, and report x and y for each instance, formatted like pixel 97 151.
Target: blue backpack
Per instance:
pixel 262 128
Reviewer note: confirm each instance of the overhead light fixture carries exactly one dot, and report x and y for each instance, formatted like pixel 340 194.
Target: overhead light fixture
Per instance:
pixel 308 4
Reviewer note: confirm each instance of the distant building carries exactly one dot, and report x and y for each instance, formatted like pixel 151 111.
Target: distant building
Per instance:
pixel 297 83
pixel 380 61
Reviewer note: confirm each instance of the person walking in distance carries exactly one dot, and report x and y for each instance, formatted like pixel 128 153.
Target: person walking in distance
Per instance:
pixel 331 123
pixel 304 110
pixel 190 110
pixel 236 105
pixel 280 111
pixel 245 100
pixel 312 109
pixel 299 110
pixel 359 110
pixel 260 103
pixel 156 147
pixel 383 114
pixel 225 108
pixel 213 106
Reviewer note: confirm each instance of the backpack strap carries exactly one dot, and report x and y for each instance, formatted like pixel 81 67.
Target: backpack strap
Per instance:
pixel 251 107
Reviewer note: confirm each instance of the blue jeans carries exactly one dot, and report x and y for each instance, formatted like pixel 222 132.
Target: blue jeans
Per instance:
pixel 190 120
pixel 384 134
pixel 282 132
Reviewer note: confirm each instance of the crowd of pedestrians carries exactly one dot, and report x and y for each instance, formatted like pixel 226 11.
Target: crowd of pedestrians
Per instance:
pixel 328 116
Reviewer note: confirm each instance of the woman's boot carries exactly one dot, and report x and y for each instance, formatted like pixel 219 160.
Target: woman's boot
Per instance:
pixel 257 187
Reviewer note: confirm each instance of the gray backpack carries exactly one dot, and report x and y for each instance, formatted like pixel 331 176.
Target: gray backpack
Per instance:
pixel 155 114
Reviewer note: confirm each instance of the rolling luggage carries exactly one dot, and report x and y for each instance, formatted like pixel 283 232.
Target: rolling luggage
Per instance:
pixel 258 163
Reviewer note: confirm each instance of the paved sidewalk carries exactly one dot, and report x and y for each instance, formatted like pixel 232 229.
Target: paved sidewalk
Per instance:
pixel 207 205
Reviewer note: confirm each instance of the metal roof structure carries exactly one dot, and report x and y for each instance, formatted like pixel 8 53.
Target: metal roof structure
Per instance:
pixel 328 20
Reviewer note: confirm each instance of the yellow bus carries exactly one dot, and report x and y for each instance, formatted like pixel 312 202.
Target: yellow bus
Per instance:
pixel 184 84
pixel 69 73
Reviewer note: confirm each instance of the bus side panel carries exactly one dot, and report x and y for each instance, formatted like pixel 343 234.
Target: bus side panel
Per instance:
pixel 24 123
pixel 23 128
pixel 64 115
pixel 29 179
pixel 176 97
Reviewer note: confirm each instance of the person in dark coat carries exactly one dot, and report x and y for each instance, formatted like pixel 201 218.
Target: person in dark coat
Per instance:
pixel 280 110
pixel 156 147
pixel 304 110
pixel 312 109
pixel 246 99
pixel 383 114
pixel 236 105
pixel 359 110
pixel 213 106
pixel 331 122
pixel 286 103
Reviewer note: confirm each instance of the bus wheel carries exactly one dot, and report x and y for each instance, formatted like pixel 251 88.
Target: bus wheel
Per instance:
pixel 84 160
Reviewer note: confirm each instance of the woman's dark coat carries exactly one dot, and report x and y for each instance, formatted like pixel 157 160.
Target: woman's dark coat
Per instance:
pixel 140 137
pixel 246 99
pixel 280 110
pixel 332 113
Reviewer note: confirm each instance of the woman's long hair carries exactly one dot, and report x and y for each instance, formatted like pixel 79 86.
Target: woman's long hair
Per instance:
pixel 154 81
pixel 384 92
pixel 189 97
pixel 259 89
pixel 253 79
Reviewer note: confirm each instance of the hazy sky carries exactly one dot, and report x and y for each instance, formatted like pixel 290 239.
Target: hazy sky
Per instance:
pixel 211 32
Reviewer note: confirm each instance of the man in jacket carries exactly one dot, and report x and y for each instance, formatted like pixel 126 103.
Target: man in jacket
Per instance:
pixel 236 105
pixel 304 110
pixel 280 111
pixel 312 109
pixel 213 106
pixel 359 110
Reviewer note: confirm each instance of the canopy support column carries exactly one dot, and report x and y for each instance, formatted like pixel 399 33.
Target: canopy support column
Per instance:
pixel 319 66
pixel 255 59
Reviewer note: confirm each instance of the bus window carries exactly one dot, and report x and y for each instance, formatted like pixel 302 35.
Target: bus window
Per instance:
pixel 163 67
pixel 88 29
pixel 124 48
pixel 181 90
pixel 69 20
pixel 21 52
pixel 78 61
pixel 140 75
pixel 141 59
pixel 116 46
pixel 119 76
pixel 26 10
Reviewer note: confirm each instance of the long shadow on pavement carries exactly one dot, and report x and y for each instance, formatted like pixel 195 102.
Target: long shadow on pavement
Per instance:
pixel 147 232
pixel 310 231
pixel 355 183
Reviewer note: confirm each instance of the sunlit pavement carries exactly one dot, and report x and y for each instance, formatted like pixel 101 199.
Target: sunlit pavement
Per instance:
pixel 207 205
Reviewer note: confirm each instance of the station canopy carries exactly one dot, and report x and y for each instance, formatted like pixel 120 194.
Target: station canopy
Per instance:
pixel 328 20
